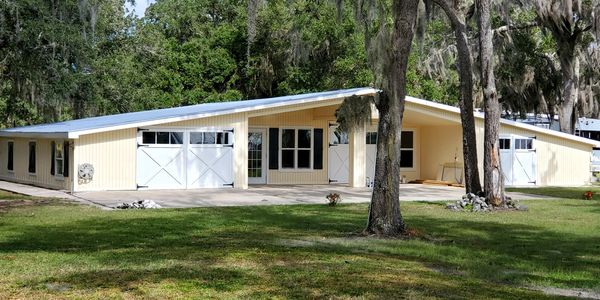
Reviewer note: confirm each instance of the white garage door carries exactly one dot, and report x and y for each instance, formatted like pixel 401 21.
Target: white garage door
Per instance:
pixel 210 160
pixel 184 159
pixel 518 159
pixel 338 163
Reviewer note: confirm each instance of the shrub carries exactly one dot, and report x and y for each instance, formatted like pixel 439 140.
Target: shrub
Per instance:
pixel 588 195
pixel 334 199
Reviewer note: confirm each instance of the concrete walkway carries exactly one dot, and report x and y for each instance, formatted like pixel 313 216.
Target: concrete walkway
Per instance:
pixel 275 195
pixel 255 195
pixel 35 191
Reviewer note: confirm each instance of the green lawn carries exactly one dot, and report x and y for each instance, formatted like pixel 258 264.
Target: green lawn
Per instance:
pixel 59 250
pixel 560 192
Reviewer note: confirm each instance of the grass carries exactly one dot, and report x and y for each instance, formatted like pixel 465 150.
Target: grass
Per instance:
pixel 560 192
pixel 56 250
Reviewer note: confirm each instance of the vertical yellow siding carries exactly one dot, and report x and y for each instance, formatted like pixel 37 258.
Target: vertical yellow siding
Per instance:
pixel 439 145
pixel 21 174
pixel 312 118
pixel 113 155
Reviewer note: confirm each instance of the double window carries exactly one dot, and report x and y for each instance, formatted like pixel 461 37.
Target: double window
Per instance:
pixel 407 147
pixel 296 148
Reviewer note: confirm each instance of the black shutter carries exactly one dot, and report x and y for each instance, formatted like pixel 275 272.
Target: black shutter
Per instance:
pixel 52 149
pixel 66 159
pixel 273 148
pixel 318 151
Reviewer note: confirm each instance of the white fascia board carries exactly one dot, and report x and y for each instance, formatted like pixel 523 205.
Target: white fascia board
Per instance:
pixel 37 135
pixel 76 134
pixel 524 126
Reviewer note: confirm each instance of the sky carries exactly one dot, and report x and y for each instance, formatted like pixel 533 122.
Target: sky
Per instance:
pixel 140 7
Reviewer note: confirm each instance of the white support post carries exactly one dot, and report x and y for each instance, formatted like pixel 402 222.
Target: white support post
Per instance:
pixel 357 156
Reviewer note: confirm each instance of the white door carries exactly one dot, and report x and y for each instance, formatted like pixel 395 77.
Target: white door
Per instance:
pixel 160 160
pixel 338 162
pixel 518 159
pixel 257 156
pixel 210 159
pixel 371 156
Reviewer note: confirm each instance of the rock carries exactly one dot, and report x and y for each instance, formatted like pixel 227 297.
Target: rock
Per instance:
pixel 142 204
pixel 476 207
pixel 470 196
pixel 452 207
pixel 465 197
pixel 522 208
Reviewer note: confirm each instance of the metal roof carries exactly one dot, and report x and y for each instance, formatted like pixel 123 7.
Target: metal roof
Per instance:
pixel 74 128
pixel 587 124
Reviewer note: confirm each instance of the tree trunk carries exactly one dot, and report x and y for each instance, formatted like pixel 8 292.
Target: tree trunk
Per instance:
pixel 384 212
pixel 569 66
pixel 465 103
pixel 493 180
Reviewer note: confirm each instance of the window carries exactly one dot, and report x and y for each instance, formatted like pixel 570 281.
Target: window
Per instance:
pixel 504 144
pixel 407 149
pixel 59 159
pixel 523 144
pixel 296 148
pixel 209 138
pixel 9 164
pixel 339 137
pixel 32 154
pixel 371 138
pixel 162 138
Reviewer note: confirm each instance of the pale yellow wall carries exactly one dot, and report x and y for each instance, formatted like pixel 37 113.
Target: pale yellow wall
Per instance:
pixel 239 123
pixel 113 155
pixel 439 145
pixel 310 118
pixel 21 174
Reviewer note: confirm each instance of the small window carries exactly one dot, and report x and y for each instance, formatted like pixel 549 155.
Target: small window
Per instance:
pixel 176 138
pixel 288 138
pixel 504 144
pixel 32 159
pixel 523 144
pixel 407 149
pixel 149 137
pixel 339 137
pixel 162 138
pixel 371 138
pixel 59 158
pixel 11 148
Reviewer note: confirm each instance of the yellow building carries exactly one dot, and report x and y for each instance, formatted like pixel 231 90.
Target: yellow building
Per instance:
pixel 282 140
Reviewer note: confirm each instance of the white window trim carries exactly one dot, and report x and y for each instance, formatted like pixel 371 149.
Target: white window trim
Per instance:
pixel 56 175
pixel 312 149
pixel 36 157
pixel 11 172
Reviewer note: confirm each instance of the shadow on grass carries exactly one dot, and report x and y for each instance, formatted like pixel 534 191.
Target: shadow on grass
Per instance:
pixel 199 242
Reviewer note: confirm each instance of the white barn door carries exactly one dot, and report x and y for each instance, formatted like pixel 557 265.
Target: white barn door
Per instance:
pixel 160 160
pixel 339 156
pixel 210 160
pixel 519 160
pixel 184 159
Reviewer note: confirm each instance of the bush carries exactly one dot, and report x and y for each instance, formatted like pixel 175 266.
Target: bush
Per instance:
pixel 334 199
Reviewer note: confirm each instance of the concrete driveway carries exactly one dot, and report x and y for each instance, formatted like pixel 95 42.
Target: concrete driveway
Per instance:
pixel 273 195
